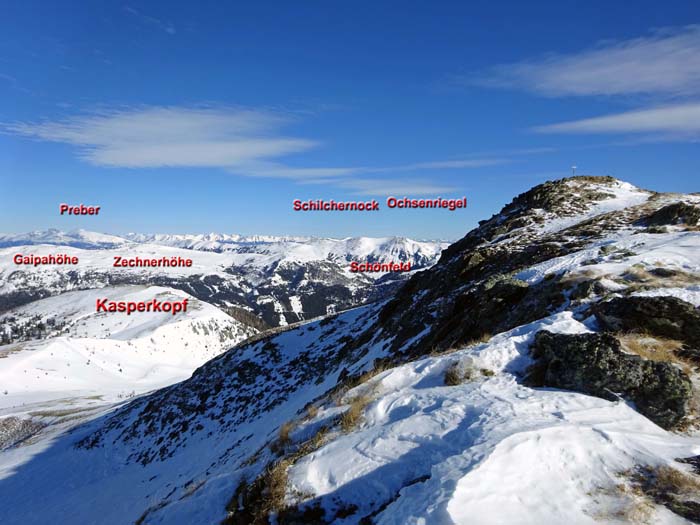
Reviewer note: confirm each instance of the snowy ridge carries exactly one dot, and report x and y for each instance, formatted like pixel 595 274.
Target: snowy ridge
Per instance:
pixel 258 274
pixel 287 248
pixel 620 195
pixel 77 239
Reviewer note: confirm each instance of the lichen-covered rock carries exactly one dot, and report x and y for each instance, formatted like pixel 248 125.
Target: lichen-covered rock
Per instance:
pixel 676 213
pixel 660 316
pixel 595 364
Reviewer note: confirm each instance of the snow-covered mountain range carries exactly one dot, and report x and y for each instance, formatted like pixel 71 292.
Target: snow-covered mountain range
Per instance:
pixel 279 279
pixel 545 370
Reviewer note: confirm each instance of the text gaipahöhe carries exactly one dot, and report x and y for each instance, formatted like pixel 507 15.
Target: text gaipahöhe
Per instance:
pixel 38 260
pixel 129 307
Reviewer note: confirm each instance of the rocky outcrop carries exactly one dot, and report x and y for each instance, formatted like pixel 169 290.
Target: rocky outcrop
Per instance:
pixel 676 213
pixel 595 364
pixel 660 316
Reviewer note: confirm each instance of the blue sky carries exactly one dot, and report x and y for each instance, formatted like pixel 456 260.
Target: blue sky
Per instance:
pixel 213 116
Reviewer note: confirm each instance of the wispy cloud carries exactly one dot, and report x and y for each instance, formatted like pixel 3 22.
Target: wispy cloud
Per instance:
pixel 398 188
pixel 325 174
pixel 170 136
pixel 245 142
pixel 679 121
pixel 665 63
pixel 163 25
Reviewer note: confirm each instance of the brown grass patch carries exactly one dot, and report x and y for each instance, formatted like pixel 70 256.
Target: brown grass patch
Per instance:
pixel 669 479
pixel 580 276
pixel 283 440
pixel 637 277
pixel 311 412
pixel 664 485
pixel 354 381
pixel 61 412
pixel 457 373
pixel 276 477
pixel 352 417
pixel 483 338
pixel 654 349
pixel 460 372
pixel 253 502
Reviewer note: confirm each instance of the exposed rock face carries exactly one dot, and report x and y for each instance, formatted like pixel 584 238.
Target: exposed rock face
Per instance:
pixel 676 213
pixel 14 430
pixel 595 364
pixel 453 296
pixel 661 316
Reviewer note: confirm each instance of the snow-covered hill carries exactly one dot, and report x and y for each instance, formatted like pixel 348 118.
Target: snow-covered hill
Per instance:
pixel 544 371
pixel 74 361
pixel 106 354
pixel 282 280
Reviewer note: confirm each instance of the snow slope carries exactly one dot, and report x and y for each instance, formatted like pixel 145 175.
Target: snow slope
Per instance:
pixel 110 355
pixel 486 451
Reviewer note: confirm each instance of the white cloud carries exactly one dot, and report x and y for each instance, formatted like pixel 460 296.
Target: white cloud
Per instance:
pixel 397 188
pixel 281 171
pixel 242 141
pixel 170 136
pixel 681 120
pixel 665 63
pixel 326 174
pixel 446 164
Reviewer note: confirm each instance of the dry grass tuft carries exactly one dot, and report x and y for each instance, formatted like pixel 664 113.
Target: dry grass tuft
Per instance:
pixel 654 349
pixel 366 376
pixel 352 417
pixel 635 510
pixel 483 338
pixel 623 503
pixel 662 485
pixel 638 277
pixel 285 431
pixel 580 276
pixel 671 480
pixel 276 482
pixel 283 439
pixel 311 412
pixel 355 381
pixel 464 370
pixel 457 373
